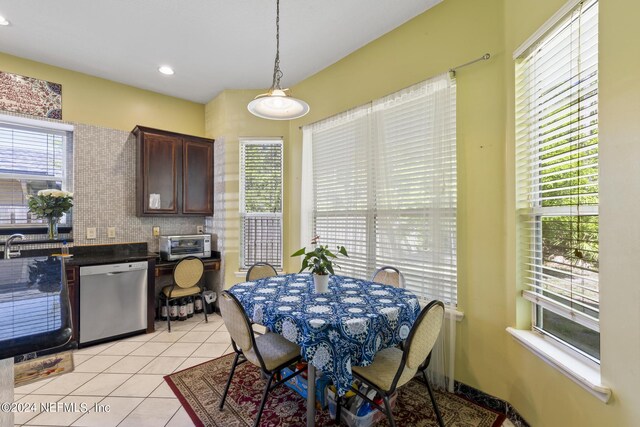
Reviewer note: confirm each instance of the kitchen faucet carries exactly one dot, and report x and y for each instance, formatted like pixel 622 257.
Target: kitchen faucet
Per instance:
pixel 8 253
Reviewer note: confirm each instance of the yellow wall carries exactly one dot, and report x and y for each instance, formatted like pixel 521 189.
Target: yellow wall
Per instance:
pixel 227 119
pixel 620 205
pixel 449 34
pixel 487 357
pixel 452 33
pixel 92 100
pixel 541 394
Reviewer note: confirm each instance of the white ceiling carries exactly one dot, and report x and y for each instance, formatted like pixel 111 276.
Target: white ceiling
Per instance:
pixel 212 44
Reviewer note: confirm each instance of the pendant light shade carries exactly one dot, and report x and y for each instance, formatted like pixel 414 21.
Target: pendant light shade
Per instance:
pixel 277 104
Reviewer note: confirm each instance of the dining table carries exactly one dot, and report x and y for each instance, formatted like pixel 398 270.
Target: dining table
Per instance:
pixel 336 330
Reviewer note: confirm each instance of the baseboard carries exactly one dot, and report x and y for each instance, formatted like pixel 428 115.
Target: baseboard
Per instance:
pixel 491 402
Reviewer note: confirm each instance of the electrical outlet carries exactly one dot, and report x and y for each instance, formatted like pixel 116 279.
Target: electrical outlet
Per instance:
pixel 156 231
pixel 91 233
pixel 111 232
pixel 200 229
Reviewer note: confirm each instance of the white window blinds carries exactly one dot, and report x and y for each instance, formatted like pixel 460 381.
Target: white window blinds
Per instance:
pixel 261 163
pixel 384 185
pixel 341 212
pixel 31 159
pixel 557 177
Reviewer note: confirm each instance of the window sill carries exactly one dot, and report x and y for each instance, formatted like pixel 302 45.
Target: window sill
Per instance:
pixel 41 241
pixel 449 310
pixel 63 229
pixel 452 311
pixel 582 373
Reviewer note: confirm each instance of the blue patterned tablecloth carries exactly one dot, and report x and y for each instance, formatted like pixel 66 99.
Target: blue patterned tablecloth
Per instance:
pixel 336 330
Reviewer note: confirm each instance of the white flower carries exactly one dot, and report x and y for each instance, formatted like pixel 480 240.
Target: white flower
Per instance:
pixel 55 193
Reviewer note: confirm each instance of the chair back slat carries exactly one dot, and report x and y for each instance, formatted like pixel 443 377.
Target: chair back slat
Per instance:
pixel 260 270
pixel 424 334
pixel 188 272
pixel 388 275
pixel 236 321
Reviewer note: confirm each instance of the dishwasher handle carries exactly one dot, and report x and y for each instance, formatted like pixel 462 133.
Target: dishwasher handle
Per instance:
pixel 110 269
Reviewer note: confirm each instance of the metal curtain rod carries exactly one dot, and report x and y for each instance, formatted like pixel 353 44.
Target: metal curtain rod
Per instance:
pixel 482 58
pixel 451 70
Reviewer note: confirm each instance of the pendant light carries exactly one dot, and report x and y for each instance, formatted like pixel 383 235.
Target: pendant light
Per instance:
pixel 277 104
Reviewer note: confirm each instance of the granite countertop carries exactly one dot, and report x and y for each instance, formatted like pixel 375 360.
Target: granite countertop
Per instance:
pixel 34 306
pixel 110 254
pixel 97 259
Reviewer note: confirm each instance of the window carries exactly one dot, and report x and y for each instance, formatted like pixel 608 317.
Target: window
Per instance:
pixel 261 163
pixel 32 158
pixel 384 186
pixel 557 178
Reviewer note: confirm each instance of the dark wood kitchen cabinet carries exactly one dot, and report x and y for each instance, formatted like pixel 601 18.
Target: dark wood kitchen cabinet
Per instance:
pixel 174 173
pixel 197 177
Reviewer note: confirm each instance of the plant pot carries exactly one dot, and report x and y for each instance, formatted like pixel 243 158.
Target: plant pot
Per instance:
pixel 321 283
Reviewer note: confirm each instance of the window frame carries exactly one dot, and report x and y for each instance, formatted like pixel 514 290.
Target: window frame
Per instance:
pixel 536 213
pixel 67 179
pixel 241 199
pixel 365 212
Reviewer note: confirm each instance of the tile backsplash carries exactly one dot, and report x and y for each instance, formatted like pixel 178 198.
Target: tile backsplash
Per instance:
pixel 104 185
pixel 105 191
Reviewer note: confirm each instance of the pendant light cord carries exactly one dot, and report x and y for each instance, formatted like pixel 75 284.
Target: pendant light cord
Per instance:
pixel 277 73
pixel 277 103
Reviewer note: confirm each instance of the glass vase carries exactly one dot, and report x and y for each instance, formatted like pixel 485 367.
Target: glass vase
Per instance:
pixel 53 227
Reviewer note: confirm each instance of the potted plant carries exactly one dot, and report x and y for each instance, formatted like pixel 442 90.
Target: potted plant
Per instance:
pixel 320 261
pixel 51 204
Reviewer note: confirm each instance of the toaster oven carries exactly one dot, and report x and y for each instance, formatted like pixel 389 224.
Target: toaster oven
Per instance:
pixel 176 247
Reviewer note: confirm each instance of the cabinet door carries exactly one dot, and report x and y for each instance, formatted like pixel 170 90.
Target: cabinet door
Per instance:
pixel 161 170
pixel 197 181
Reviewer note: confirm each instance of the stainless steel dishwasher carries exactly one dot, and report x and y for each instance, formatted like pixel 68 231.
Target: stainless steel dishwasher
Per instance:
pixel 113 300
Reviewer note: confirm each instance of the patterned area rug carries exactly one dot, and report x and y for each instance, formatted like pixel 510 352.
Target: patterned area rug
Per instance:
pixel 199 389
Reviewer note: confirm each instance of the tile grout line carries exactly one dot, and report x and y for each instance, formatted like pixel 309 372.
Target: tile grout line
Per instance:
pixel 131 375
pixel 174 414
pixel 35 414
pixel 146 398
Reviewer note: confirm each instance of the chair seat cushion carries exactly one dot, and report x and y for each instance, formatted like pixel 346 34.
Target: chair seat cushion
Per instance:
pixel 274 349
pixel 180 292
pixel 384 368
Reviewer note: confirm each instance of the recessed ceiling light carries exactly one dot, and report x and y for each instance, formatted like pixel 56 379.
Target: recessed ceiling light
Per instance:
pixel 3 21
pixel 166 70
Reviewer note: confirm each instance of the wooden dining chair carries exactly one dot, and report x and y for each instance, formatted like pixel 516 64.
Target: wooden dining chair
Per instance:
pixel 269 352
pixel 260 270
pixel 388 275
pixel 393 368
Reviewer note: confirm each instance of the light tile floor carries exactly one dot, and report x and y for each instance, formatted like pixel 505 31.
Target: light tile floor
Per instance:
pixel 127 375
